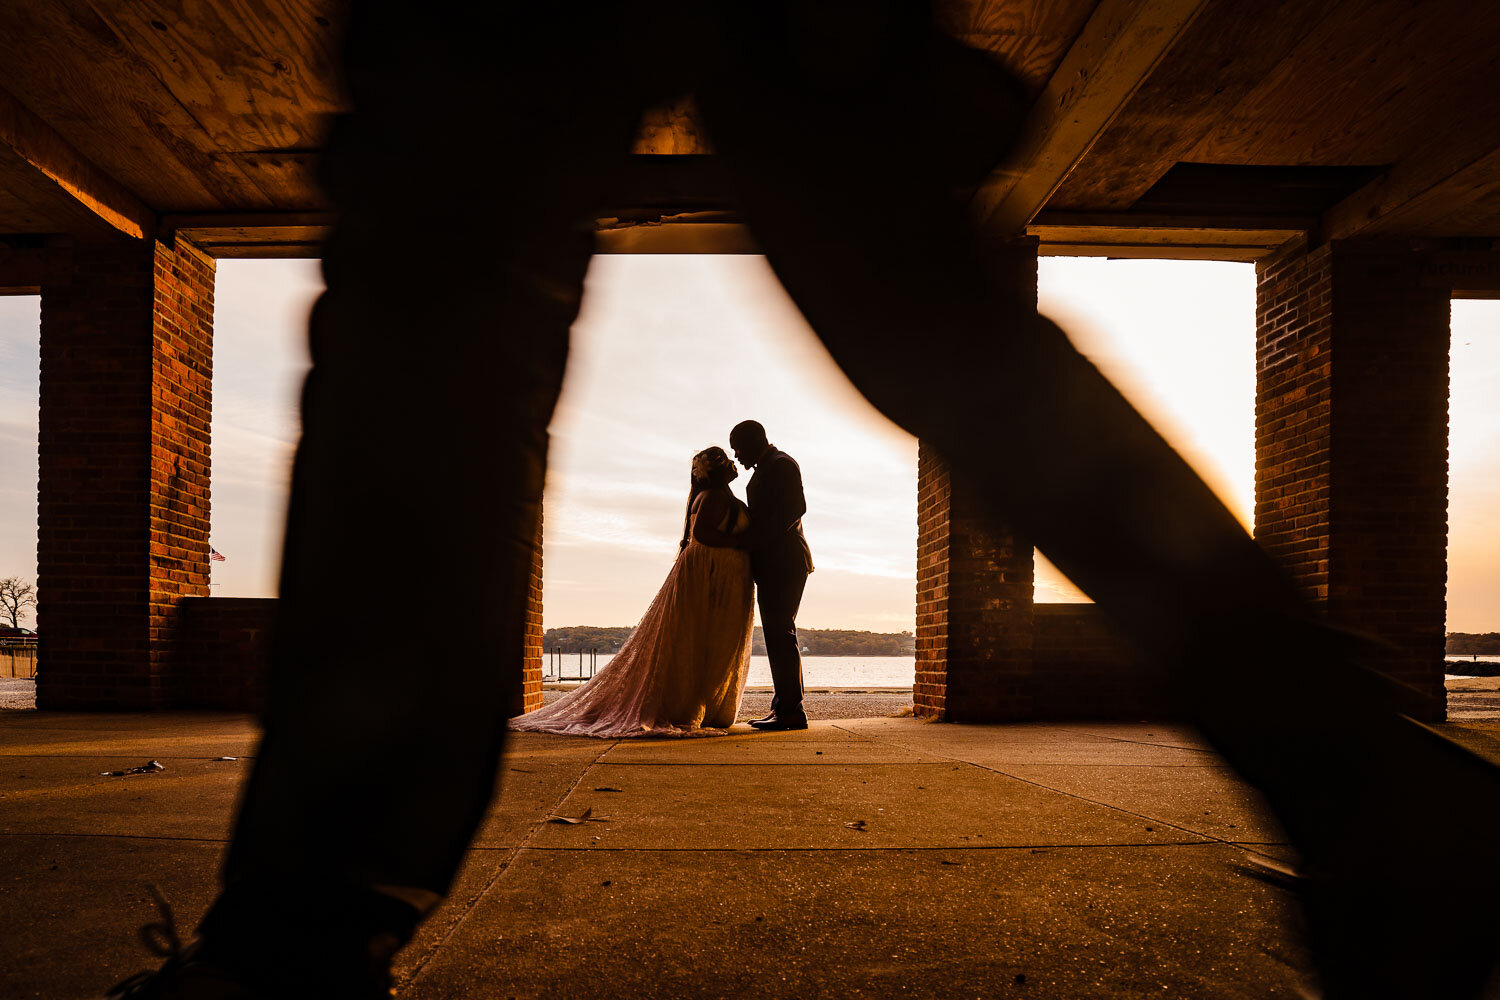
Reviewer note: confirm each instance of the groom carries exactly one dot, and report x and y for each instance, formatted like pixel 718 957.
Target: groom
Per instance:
pixel 780 561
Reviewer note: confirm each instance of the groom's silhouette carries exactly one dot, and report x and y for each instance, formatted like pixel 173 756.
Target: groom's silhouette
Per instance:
pixel 779 560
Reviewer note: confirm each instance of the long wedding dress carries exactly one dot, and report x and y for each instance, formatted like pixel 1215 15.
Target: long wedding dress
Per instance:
pixel 683 669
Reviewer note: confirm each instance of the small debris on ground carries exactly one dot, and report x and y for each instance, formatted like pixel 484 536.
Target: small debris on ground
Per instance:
pixel 146 768
pixel 587 817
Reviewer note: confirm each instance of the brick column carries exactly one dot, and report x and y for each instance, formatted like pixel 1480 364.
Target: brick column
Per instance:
pixel 123 497
pixel 1351 443
pixel 974 577
pixel 531 663
pixel 974 606
pixel 930 690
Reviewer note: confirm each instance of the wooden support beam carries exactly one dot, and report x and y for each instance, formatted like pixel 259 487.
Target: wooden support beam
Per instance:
pixel 258 235
pixel 688 232
pixel 1118 48
pixel 1167 237
pixel 1156 251
pixel 36 142
pixel 1173 222
pixel 23 272
pixel 1432 188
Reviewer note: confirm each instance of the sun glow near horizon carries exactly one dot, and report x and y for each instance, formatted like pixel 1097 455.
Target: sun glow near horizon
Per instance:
pixel 671 351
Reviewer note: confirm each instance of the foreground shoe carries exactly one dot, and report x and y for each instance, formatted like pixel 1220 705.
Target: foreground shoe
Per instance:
pixel 192 974
pixel 286 965
pixel 772 724
pixel 186 975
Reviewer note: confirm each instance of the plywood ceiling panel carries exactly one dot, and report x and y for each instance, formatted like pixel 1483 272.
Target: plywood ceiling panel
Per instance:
pixel 133 86
pixel 1029 36
pixel 256 74
pixel 1221 58
pixel 1370 83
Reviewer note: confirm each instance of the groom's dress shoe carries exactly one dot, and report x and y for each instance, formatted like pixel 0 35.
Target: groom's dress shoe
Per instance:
pixel 772 724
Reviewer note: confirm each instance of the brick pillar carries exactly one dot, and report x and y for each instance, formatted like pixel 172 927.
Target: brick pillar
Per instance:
pixel 123 497
pixel 975 623
pixel 531 663
pixel 1351 483
pixel 974 578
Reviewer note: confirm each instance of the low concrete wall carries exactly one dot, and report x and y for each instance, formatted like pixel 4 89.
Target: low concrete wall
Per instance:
pixel 223 652
pixel 1083 670
pixel 17 661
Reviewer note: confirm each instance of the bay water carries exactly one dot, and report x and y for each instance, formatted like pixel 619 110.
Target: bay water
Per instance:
pixel 817 671
pixel 858 671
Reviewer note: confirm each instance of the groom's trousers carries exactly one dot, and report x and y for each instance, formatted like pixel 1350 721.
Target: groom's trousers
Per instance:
pixel 778 592
pixel 481 147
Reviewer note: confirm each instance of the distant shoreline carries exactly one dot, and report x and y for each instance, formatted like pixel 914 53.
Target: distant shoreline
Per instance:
pixel 608 639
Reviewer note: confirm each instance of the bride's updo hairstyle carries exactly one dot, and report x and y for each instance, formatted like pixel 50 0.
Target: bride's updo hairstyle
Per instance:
pixel 712 467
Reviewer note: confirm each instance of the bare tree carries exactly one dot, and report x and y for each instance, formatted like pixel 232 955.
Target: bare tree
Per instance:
pixel 15 597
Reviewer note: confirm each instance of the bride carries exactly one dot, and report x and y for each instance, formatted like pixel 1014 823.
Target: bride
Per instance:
pixel 683 669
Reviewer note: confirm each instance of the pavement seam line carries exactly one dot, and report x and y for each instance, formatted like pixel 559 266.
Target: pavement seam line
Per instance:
pixel 1164 746
pixel 116 836
pixel 1081 798
pixel 1156 845
pixel 505 865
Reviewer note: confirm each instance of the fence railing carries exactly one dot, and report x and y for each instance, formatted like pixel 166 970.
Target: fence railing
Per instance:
pixel 557 662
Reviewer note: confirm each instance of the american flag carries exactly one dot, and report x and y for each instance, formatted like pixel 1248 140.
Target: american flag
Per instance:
pixel 213 554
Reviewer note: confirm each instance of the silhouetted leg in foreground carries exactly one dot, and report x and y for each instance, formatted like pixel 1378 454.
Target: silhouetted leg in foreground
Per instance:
pixel 438 351
pixel 858 220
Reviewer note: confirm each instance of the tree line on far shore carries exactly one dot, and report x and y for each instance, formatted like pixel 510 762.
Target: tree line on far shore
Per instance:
pixel 1466 643
pixel 815 641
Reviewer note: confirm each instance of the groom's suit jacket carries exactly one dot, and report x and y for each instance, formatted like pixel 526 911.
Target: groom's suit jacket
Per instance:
pixel 774 496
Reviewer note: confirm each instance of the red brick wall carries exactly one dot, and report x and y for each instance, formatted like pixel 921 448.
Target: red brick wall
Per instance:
pixel 182 375
pixel 531 662
pixel 974 579
pixel 123 485
pixel 974 612
pixel 929 692
pixel 1293 415
pixel 1351 443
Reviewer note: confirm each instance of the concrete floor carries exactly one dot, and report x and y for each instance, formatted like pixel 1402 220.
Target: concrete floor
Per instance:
pixel 864 857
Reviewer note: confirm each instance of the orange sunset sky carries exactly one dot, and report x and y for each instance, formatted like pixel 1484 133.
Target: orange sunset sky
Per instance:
pixel 671 351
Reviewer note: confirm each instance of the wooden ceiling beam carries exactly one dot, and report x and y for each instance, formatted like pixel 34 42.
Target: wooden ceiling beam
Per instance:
pixel 1164 237
pixel 1173 222
pixel 252 234
pixel 1116 51
pixel 22 272
pixel 1156 251
pixel 1436 182
pixel 36 142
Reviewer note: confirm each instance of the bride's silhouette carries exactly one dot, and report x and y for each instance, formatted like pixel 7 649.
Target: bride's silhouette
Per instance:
pixel 683 669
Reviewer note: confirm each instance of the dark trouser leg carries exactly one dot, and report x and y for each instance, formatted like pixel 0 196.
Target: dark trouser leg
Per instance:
pixel 779 600
pixel 848 189
pixel 465 182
